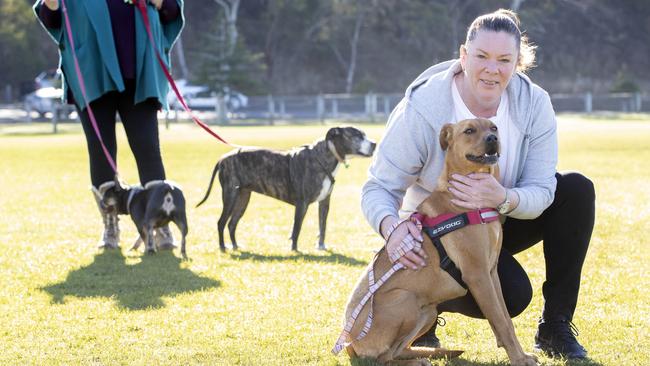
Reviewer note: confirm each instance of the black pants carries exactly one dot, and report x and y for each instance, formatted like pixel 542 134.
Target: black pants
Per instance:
pixel 565 228
pixel 141 125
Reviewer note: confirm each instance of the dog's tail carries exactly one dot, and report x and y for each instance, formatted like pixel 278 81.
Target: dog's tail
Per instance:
pixel 214 173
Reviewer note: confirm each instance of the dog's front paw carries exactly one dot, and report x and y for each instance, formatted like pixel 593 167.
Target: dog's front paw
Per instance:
pixel 527 360
pixel 320 246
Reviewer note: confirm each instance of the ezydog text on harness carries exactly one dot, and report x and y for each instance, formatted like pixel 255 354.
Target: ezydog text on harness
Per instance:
pixel 437 227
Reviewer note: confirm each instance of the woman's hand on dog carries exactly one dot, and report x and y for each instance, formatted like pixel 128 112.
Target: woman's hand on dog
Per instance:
pixel 405 231
pixel 476 190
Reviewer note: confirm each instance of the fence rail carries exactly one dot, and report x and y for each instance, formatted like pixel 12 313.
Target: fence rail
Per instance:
pixel 373 107
pixel 376 107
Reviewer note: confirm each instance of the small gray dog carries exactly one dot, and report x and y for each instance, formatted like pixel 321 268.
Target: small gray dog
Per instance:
pixel 299 177
pixel 151 207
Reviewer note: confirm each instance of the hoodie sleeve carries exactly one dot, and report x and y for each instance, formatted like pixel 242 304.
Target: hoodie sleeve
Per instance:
pixel 396 165
pixel 536 186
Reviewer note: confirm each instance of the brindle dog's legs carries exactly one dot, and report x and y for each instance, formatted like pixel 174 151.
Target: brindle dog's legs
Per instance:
pixel 229 195
pixel 298 217
pixel 241 202
pixel 323 210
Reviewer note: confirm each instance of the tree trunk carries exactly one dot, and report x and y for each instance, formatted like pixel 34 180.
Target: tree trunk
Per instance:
pixel 354 45
pixel 516 4
pixel 231 9
pixel 180 55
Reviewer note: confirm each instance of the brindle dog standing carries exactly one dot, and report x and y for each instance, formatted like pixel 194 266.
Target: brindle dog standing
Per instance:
pixel 405 306
pixel 299 177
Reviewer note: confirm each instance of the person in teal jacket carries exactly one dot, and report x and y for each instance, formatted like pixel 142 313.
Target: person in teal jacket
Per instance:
pixel 121 75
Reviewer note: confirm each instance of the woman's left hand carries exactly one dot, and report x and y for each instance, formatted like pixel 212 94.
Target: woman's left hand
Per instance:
pixel 157 3
pixel 476 190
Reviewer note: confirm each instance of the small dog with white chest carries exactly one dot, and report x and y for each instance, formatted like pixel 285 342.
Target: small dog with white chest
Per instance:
pixel 151 207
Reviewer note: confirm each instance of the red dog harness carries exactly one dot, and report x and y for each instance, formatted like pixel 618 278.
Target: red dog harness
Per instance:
pixel 435 228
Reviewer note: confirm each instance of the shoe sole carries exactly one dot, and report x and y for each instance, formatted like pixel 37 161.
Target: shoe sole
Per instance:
pixel 553 354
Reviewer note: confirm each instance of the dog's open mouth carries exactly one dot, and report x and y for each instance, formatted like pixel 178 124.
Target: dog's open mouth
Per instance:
pixel 487 159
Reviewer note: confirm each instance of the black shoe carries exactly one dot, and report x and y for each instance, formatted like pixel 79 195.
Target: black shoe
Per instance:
pixel 557 338
pixel 429 339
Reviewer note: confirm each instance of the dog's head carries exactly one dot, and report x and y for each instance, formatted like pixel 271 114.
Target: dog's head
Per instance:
pixel 114 197
pixel 472 145
pixel 350 142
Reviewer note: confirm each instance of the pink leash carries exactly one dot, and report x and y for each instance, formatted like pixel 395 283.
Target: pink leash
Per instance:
pixel 141 4
pixel 82 85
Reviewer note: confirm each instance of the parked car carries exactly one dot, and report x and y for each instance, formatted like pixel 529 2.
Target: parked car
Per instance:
pixel 47 96
pixel 43 100
pixel 200 97
pixel 51 77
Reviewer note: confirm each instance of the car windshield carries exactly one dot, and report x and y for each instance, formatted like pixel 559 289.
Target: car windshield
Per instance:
pixel 49 93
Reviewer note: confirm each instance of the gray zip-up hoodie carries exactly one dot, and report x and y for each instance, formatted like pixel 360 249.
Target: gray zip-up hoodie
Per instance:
pixel 409 160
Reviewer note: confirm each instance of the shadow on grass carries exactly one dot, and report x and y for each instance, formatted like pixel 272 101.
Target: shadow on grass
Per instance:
pixel 462 362
pixel 327 257
pixel 134 287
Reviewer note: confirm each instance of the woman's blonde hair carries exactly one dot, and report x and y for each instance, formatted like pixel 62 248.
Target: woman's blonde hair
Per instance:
pixel 504 20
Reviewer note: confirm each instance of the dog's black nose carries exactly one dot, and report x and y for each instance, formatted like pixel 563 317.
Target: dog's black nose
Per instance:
pixel 492 144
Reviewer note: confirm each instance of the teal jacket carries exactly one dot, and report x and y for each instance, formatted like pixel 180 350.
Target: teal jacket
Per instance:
pixel 95 50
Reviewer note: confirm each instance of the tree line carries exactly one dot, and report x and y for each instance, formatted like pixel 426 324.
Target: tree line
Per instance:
pixel 289 47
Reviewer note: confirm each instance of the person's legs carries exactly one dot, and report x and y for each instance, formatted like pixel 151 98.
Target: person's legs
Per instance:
pixel 515 286
pixel 566 231
pixel 565 228
pixel 101 172
pixel 104 110
pixel 141 125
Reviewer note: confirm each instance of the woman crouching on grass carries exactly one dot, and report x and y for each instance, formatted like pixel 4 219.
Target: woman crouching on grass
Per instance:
pixel 537 202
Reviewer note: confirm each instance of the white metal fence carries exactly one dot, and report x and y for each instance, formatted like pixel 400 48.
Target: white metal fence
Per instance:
pixel 376 107
pixel 372 107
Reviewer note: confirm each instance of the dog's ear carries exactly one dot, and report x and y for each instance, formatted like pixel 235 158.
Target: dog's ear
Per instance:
pixel 333 132
pixel 446 134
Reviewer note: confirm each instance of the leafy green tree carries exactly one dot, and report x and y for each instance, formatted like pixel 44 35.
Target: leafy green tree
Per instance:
pixel 25 48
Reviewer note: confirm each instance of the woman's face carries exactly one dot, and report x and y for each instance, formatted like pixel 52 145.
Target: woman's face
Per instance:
pixel 489 62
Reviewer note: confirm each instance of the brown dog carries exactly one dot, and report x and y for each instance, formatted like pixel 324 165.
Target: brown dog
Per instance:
pixel 405 306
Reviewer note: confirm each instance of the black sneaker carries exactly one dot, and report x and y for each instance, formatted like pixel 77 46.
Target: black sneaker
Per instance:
pixel 429 339
pixel 557 338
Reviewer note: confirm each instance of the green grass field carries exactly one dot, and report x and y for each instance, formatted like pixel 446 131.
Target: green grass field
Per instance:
pixel 65 302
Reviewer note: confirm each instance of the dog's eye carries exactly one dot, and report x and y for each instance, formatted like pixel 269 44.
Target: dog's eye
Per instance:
pixel 494 128
pixel 469 131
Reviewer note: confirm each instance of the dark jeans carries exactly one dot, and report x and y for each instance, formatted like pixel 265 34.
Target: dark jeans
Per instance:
pixel 565 229
pixel 141 126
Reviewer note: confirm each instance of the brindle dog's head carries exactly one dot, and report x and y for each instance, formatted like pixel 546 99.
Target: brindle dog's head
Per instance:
pixel 350 142
pixel 472 145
